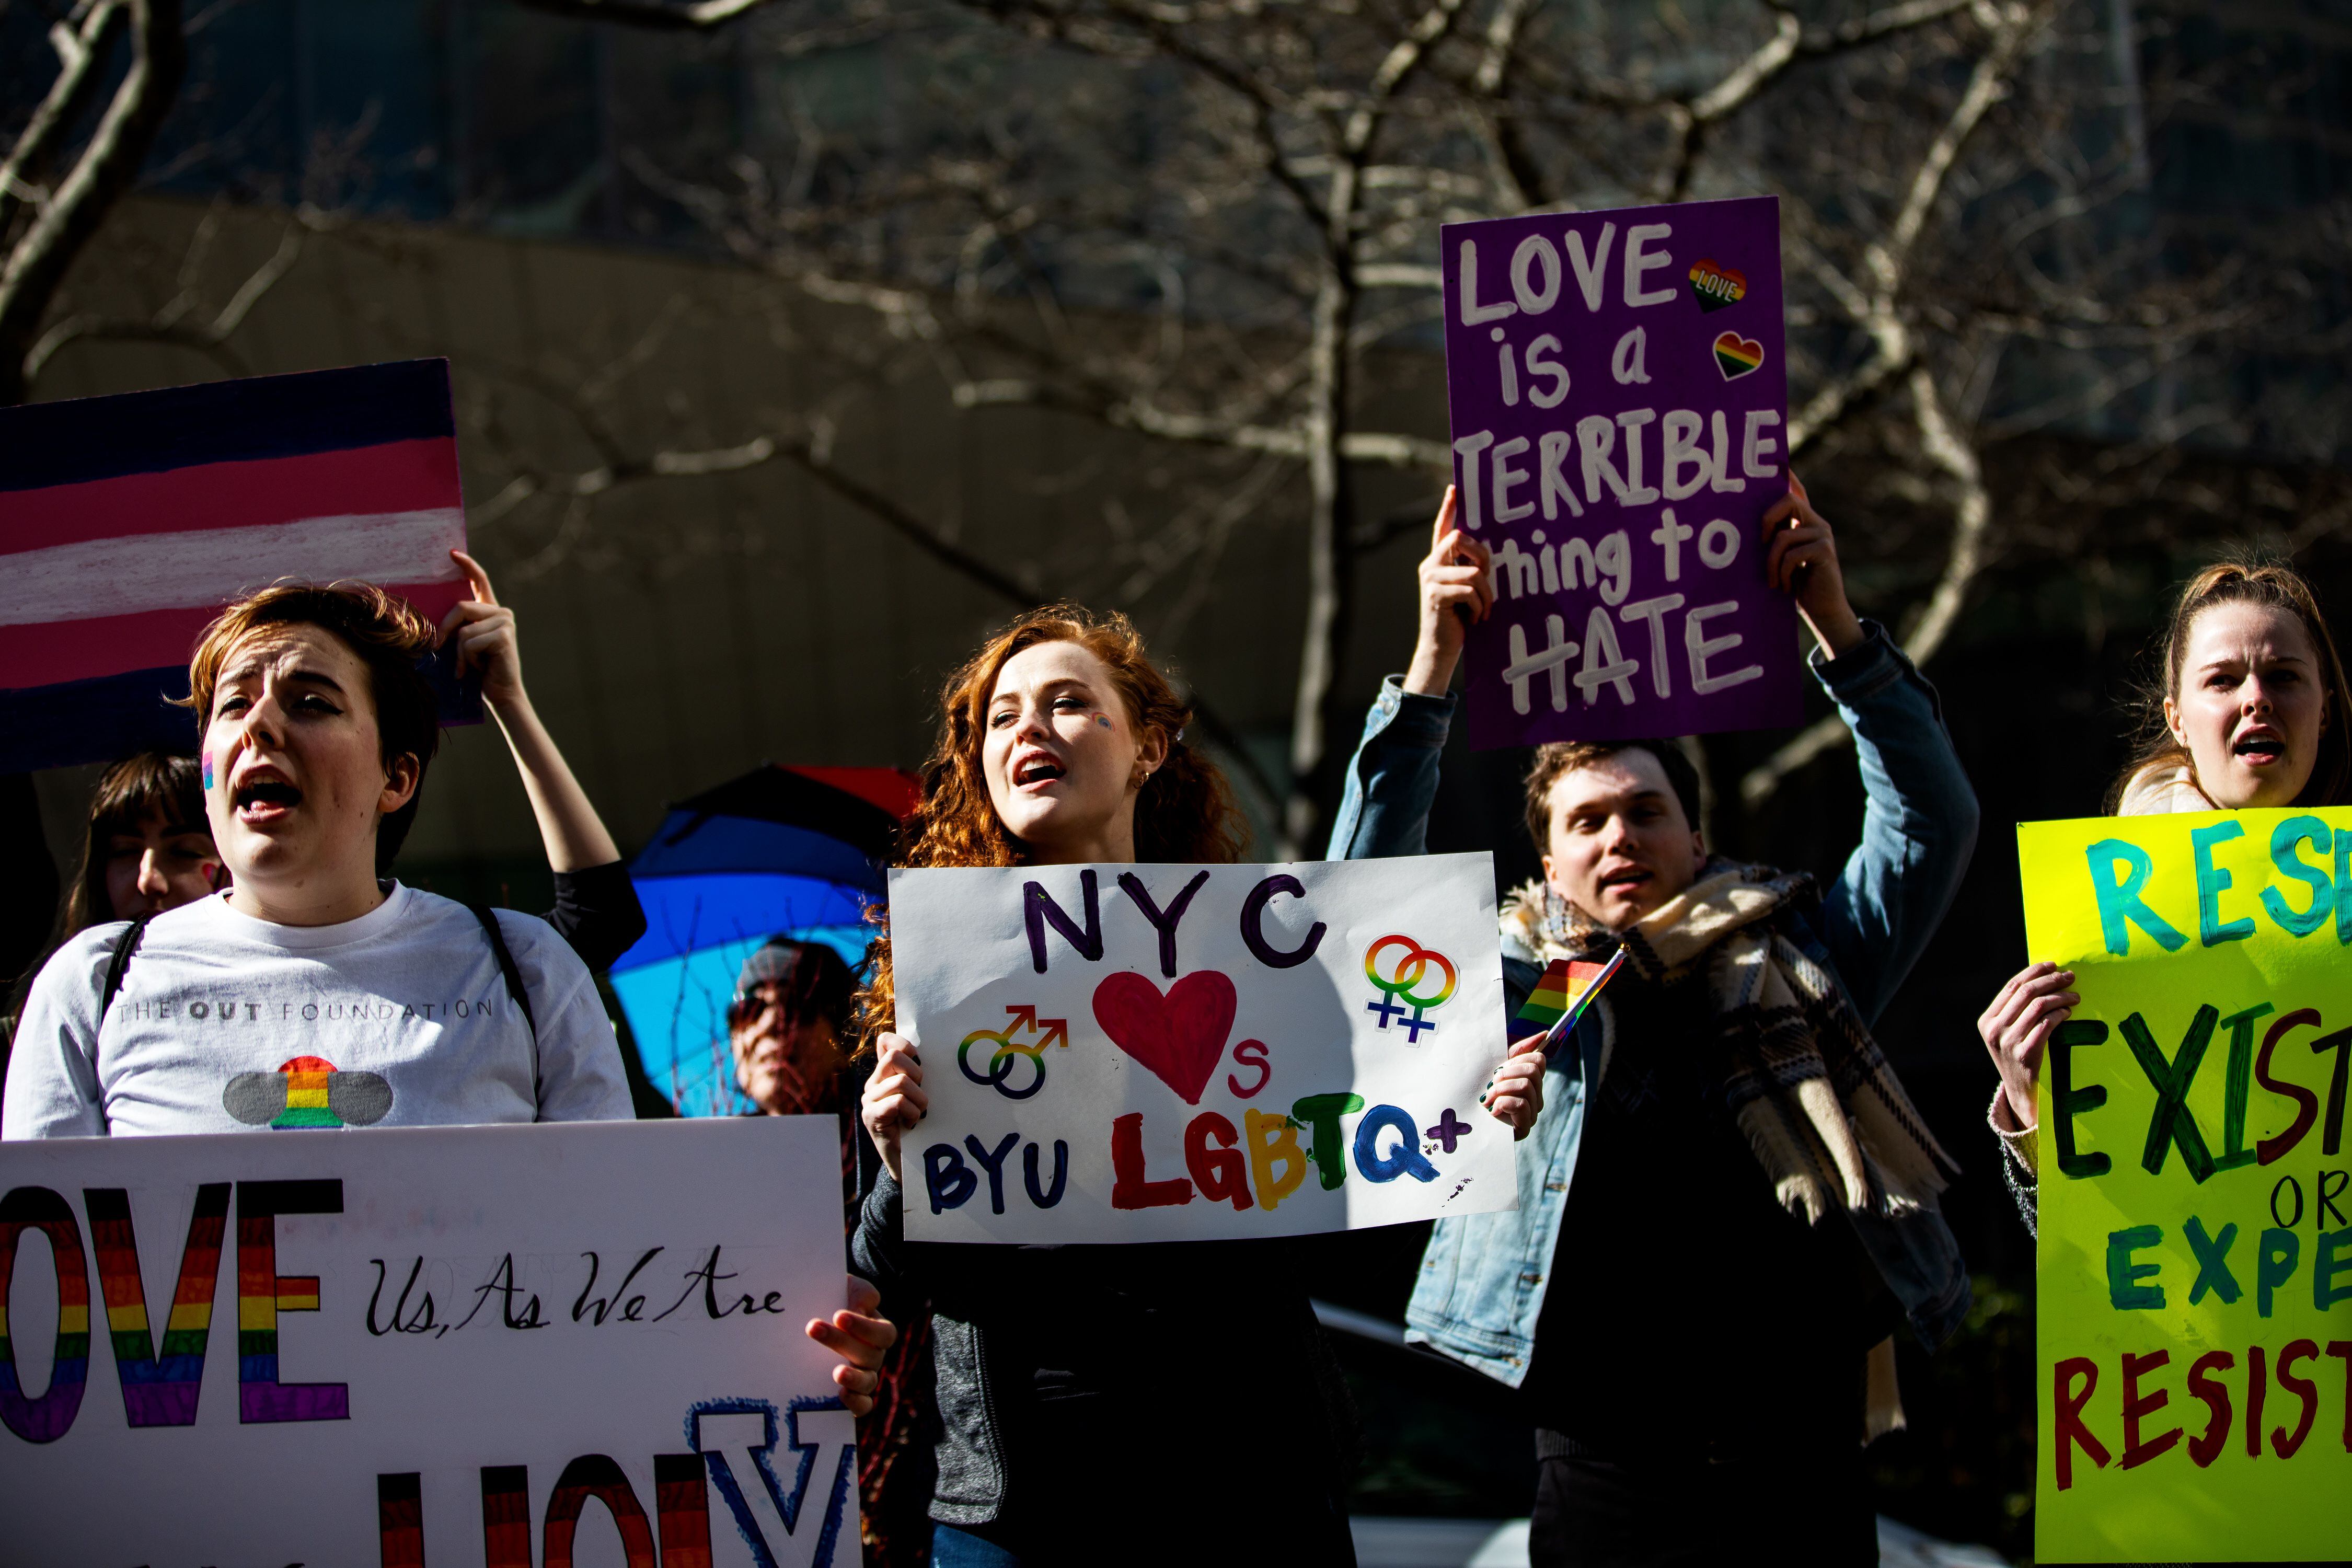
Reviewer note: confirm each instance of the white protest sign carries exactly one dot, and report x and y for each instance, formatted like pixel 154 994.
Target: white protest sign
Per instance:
pixel 568 1345
pixel 1178 1053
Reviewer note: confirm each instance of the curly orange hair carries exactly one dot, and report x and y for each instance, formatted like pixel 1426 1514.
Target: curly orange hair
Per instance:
pixel 1185 811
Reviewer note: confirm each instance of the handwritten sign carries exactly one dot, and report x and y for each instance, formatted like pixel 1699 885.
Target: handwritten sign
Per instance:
pixel 127 522
pixel 2196 1257
pixel 1164 1053
pixel 429 1345
pixel 1618 384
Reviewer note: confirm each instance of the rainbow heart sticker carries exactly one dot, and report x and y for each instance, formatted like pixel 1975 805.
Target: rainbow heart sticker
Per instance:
pixel 1736 355
pixel 1715 286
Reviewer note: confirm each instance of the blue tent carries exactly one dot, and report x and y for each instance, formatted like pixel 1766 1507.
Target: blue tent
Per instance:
pixel 780 851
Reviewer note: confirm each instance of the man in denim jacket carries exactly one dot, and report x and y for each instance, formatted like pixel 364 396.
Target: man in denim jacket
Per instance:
pixel 1716 1352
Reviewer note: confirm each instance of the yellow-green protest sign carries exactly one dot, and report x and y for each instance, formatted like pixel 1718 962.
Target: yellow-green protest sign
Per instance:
pixel 2195 1338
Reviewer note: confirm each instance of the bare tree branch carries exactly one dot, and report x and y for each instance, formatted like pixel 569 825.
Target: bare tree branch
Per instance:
pixel 81 59
pixel 1972 512
pixel 39 259
pixel 694 15
pixel 170 323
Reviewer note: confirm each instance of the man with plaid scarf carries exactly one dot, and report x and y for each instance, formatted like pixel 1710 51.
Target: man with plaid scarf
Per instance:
pixel 1727 1203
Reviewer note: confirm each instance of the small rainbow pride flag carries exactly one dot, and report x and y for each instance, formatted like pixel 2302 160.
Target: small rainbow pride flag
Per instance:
pixel 1564 990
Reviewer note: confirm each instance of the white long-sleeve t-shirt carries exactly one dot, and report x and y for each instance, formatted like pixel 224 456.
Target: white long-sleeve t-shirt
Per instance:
pixel 225 1023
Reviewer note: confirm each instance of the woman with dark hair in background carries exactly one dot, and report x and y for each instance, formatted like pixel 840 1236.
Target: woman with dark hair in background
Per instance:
pixel 147 848
pixel 2247 710
pixel 1086 1394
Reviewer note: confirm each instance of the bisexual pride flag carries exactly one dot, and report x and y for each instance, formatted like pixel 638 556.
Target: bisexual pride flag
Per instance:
pixel 126 523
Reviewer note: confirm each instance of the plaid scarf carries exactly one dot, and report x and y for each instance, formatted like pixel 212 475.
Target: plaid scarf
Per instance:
pixel 1816 1097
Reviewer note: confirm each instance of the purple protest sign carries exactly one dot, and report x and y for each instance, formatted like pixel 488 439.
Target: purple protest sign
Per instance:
pixel 1620 405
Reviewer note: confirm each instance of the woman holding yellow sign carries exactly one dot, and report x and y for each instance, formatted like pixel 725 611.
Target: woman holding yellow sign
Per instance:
pixel 2249 715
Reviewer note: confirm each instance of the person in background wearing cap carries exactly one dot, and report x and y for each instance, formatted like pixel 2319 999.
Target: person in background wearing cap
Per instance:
pixel 785 1026
pixel 791 1001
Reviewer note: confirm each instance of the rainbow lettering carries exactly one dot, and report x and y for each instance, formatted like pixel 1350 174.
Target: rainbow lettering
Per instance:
pixel 505 1516
pixel 682 1511
pixel 400 1519
pixel 262 1293
pixel 46 1419
pixel 157 1390
pixel 595 1477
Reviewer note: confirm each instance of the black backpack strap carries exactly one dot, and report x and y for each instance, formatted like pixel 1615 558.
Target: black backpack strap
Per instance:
pixel 489 919
pixel 124 946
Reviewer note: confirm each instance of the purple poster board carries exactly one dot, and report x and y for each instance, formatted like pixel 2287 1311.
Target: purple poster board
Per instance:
pixel 1619 403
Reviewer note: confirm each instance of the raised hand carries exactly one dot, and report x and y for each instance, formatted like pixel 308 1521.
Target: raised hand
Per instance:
pixel 1457 590
pixel 2037 999
pixel 894 1099
pixel 861 1337
pixel 1800 560
pixel 1515 1094
pixel 484 631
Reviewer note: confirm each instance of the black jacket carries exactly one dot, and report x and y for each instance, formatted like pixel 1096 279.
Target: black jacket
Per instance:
pixel 1156 1331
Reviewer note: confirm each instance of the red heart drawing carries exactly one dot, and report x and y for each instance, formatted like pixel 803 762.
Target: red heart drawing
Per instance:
pixel 1180 1037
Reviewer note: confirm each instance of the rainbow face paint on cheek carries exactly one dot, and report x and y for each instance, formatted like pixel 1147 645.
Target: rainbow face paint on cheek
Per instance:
pixel 205 757
pixel 1103 719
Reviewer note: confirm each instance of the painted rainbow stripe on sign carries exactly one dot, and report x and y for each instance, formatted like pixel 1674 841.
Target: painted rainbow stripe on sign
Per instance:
pixel 505 1516
pixel 262 1293
pixel 682 1509
pixel 45 1419
pixel 158 1389
pixel 400 1519
pixel 595 1478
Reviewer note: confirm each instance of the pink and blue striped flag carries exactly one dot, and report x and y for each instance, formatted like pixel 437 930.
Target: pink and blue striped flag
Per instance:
pixel 127 522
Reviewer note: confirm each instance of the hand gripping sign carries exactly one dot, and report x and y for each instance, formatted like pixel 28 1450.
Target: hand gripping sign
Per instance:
pixel 1618 394
pixel 1159 1053
pixel 2195 1300
pixel 465 1344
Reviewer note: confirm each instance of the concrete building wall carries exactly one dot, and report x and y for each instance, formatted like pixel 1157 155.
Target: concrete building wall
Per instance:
pixel 681 630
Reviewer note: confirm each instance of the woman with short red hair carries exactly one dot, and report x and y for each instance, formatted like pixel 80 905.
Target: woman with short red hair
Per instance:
pixel 316 973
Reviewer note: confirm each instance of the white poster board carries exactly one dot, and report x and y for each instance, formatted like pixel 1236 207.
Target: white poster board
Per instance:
pixel 511 1346
pixel 1183 1053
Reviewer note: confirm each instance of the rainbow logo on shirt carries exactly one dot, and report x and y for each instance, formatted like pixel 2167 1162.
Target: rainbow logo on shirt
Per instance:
pixel 308 1091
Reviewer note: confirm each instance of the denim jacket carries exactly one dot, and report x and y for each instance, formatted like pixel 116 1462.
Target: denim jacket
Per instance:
pixel 1481 1286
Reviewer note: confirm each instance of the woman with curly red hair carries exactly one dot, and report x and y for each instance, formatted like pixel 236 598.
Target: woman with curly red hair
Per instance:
pixel 1093 1404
